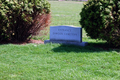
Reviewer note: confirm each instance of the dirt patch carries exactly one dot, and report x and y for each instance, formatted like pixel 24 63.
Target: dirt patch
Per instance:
pixel 23 43
pixel 36 41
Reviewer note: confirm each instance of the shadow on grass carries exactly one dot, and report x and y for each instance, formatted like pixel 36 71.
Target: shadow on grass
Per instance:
pixel 91 47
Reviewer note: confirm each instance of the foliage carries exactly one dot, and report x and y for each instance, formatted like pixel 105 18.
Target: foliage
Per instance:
pixel 21 19
pixel 101 20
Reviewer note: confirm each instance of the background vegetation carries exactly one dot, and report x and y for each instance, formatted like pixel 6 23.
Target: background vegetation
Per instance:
pixel 21 19
pixel 101 20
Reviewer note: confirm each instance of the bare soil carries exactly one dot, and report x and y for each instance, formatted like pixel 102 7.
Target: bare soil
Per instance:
pixel 23 43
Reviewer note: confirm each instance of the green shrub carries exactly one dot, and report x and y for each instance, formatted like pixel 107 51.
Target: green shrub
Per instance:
pixel 21 19
pixel 101 20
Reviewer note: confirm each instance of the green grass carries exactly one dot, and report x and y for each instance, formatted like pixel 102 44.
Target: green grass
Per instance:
pixel 65 13
pixel 58 62
pixel 97 61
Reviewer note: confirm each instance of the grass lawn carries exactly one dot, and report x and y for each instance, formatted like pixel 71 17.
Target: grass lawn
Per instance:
pixel 58 62
pixel 65 13
pixel 97 61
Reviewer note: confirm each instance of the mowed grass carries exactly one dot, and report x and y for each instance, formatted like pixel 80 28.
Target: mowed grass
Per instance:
pixel 65 13
pixel 58 62
pixel 97 61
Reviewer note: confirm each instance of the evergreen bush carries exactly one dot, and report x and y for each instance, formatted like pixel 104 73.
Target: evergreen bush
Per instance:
pixel 101 20
pixel 21 19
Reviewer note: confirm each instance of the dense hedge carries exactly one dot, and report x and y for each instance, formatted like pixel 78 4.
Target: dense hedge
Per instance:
pixel 101 20
pixel 20 19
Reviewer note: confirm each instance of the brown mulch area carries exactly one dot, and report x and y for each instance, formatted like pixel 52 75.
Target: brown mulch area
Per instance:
pixel 36 41
pixel 23 43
